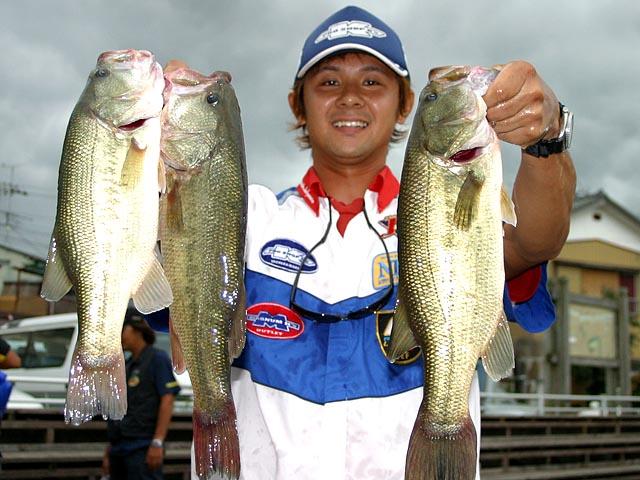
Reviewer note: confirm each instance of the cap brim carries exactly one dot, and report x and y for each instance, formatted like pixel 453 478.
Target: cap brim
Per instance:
pixel 351 46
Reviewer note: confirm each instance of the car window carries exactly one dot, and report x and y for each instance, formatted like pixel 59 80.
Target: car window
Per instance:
pixel 46 348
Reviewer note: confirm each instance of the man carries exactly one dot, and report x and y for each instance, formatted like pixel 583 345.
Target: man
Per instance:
pixel 314 393
pixel 136 442
pixel 8 358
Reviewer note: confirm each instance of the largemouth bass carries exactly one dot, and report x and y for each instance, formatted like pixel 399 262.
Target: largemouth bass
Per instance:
pixel 450 248
pixel 203 235
pixel 106 224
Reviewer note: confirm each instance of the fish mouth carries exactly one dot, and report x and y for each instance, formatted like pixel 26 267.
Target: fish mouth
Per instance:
pixel 467 155
pixel 135 125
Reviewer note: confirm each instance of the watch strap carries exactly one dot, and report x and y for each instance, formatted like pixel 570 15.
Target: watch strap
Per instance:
pixel 544 148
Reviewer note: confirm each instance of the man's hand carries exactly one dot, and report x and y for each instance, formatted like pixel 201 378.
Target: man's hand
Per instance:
pixel 521 108
pixel 154 457
pixel 106 466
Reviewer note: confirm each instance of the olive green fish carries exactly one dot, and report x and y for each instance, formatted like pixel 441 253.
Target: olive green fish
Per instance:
pixel 107 224
pixel 450 249
pixel 203 228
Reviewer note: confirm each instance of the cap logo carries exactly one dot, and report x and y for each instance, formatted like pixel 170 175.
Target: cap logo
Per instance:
pixel 353 28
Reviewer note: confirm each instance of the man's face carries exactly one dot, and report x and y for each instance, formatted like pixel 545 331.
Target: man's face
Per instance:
pixel 128 337
pixel 352 106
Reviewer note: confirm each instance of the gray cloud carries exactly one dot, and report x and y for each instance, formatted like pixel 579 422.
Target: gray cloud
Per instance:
pixel 586 51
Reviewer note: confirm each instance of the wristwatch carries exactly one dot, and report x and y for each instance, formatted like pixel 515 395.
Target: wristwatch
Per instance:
pixel 157 442
pixel 544 148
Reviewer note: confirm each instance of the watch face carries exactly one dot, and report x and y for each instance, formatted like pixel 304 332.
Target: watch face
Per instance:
pixel 568 130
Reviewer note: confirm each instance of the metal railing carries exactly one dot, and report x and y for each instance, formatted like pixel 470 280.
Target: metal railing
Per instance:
pixel 539 404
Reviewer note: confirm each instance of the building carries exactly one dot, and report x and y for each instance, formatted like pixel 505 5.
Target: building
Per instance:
pixel 594 347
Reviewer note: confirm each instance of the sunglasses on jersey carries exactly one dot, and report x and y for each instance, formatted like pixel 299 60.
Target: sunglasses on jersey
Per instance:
pixel 322 317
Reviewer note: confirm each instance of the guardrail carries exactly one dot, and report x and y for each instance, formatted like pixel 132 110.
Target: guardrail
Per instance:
pixel 20 399
pixel 539 404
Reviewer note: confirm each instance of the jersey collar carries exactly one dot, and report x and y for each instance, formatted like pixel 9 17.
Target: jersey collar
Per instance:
pixel 385 184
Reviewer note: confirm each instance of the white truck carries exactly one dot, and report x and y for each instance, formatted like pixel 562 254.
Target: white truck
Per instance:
pixel 45 345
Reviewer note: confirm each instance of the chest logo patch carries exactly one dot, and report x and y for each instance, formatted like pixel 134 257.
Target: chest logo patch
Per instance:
pixel 384 322
pixel 287 255
pixel 390 222
pixel 381 276
pixel 271 320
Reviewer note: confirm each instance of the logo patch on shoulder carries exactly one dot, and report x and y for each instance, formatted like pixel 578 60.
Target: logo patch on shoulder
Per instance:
pixel 271 320
pixel 384 322
pixel 381 274
pixel 287 255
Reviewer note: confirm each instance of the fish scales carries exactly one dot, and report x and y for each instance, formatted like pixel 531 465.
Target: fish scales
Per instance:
pixel 204 225
pixel 451 266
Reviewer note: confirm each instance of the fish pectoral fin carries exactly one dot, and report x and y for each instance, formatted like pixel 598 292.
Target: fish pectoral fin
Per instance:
pixel 174 220
pixel 177 355
pixel 162 176
pixel 498 358
pixel 154 293
pixel 508 208
pixel 402 339
pixel 467 203
pixel 132 167
pixel 55 283
pixel 238 326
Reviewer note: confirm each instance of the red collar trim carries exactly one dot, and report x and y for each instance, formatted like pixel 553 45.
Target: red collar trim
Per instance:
pixel 385 184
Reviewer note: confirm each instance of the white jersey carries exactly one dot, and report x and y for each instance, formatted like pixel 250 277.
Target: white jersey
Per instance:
pixel 320 400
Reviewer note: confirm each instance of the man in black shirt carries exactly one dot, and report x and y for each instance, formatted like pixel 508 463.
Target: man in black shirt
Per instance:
pixel 136 442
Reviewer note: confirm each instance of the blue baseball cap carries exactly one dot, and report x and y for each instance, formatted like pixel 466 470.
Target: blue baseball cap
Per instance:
pixel 353 28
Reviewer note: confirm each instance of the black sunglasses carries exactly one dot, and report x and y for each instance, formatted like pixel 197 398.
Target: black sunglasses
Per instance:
pixel 356 314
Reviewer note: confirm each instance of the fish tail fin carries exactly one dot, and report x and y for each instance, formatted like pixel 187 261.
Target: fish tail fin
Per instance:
pixel 96 389
pixel 216 444
pixel 433 454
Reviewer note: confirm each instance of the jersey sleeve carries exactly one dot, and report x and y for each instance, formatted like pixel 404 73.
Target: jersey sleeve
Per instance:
pixel 165 381
pixel 528 302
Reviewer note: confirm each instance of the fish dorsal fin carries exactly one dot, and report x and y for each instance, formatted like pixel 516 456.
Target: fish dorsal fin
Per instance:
pixel 154 293
pixel 402 339
pixel 466 208
pixel 238 326
pixel 55 283
pixel 498 359
pixel 508 208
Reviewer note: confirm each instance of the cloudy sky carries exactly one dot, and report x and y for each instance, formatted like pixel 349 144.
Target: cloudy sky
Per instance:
pixel 586 51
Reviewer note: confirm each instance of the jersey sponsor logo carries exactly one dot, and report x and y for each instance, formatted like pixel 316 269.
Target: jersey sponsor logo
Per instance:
pixel 384 322
pixel 287 255
pixel 389 222
pixel 381 274
pixel 271 320
pixel 350 28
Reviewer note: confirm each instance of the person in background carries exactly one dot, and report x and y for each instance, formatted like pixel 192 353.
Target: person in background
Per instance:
pixel 8 358
pixel 136 443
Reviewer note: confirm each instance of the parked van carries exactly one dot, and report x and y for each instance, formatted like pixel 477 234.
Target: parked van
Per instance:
pixel 45 345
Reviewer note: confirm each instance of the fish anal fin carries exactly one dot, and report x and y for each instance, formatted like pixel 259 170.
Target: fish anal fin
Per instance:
pixel 498 360
pixel 507 207
pixel 55 283
pixel 238 325
pixel 467 203
pixel 154 293
pixel 402 339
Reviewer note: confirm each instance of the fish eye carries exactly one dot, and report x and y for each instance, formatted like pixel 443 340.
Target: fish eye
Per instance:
pixel 430 97
pixel 102 72
pixel 213 99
